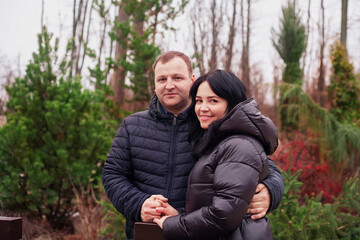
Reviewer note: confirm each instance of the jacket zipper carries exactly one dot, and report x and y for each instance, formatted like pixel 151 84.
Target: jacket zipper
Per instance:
pixel 172 159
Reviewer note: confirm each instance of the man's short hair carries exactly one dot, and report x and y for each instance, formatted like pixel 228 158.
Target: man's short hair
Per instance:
pixel 166 57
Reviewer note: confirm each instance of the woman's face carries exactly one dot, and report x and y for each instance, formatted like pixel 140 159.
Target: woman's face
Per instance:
pixel 209 107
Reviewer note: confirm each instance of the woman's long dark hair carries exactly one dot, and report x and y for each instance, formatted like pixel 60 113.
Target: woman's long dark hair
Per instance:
pixel 225 85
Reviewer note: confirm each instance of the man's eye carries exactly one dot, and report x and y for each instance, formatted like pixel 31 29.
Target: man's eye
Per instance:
pixel 161 79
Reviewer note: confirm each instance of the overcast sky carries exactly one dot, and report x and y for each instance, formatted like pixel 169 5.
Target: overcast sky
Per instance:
pixel 20 22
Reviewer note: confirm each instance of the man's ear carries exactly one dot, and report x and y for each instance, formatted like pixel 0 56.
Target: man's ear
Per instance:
pixel 193 78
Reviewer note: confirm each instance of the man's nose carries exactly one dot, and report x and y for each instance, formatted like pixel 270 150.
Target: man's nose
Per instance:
pixel 169 84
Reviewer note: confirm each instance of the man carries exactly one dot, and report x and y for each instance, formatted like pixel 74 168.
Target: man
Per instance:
pixel 150 156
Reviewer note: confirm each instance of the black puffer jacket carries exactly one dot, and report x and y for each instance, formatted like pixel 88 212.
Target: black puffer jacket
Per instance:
pixel 150 155
pixel 222 183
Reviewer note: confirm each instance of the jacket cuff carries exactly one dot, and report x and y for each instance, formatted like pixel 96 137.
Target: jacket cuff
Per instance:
pixel 180 210
pixel 172 229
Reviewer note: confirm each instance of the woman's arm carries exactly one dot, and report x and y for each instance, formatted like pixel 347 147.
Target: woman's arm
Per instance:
pixel 234 182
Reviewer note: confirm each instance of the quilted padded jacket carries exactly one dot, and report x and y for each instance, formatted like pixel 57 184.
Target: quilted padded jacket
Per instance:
pixel 150 154
pixel 223 181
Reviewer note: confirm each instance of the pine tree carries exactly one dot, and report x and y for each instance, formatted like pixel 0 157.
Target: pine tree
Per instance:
pixel 314 220
pixel 55 133
pixel 135 40
pixel 290 43
pixel 344 87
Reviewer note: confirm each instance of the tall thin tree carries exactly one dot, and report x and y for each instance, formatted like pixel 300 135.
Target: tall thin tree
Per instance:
pixel 215 28
pixel 344 16
pixel 245 34
pixel 290 44
pixel 321 79
pixel 231 38
pixel 199 36
pixel 117 81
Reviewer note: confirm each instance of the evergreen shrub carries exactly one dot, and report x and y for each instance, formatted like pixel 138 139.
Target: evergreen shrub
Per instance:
pixel 55 133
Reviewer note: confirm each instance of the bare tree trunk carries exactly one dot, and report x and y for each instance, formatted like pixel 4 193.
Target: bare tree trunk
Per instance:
pixel 86 40
pixel 102 39
pixel 242 18
pixel 210 50
pixel 230 46
pixel 79 44
pixel 259 93
pixel 103 26
pixel 156 22
pixel 343 34
pixel 75 48
pixel 117 81
pixel 139 25
pixel 42 14
pixel 81 17
pixel 199 36
pixel 245 61
pixel 214 34
pixel 321 80
pixel 306 43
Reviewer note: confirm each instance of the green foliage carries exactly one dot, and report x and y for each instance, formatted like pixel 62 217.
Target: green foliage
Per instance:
pixel 139 63
pixel 115 222
pixel 315 220
pixel 136 36
pixel 293 221
pixel 290 43
pixel 349 205
pixel 344 87
pixel 55 130
pixel 340 140
pixel 111 111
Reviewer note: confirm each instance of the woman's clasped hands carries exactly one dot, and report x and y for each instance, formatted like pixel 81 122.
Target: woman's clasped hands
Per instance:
pixel 165 210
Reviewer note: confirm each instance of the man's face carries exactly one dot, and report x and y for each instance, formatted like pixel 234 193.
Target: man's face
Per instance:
pixel 172 85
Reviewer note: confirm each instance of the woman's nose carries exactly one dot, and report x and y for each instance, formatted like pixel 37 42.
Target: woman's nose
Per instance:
pixel 204 107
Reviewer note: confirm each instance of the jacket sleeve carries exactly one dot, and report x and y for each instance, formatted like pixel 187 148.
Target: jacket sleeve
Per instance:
pixel 275 183
pixel 117 177
pixel 235 179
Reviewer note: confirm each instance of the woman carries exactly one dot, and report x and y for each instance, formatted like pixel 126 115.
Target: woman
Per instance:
pixel 231 139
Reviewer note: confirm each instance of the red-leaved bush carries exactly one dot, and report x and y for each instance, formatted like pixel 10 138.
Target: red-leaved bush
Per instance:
pixel 317 175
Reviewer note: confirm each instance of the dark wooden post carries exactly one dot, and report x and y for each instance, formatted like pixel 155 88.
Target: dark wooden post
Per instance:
pixel 10 228
pixel 147 231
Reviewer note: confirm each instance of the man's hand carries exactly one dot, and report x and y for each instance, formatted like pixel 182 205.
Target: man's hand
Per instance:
pixel 260 202
pixel 148 209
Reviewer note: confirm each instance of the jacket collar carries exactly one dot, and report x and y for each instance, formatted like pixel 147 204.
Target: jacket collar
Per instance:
pixel 157 111
pixel 246 118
